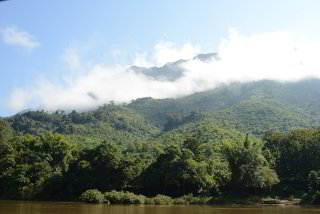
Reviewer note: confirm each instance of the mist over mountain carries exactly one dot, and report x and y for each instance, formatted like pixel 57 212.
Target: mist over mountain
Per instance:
pixel 159 103
pixel 267 118
pixel 172 71
pixel 255 107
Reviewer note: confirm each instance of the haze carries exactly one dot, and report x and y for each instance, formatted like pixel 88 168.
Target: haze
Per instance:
pixel 81 62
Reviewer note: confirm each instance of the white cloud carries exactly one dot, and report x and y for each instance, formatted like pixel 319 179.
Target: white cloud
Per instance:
pixel 164 52
pixel 278 55
pixel 141 60
pixel 17 37
pixel 19 99
pixel 167 52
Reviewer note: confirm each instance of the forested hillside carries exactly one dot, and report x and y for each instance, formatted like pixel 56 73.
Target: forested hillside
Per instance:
pixel 241 139
pixel 253 108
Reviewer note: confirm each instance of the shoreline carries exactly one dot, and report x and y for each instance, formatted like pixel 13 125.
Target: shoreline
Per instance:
pixel 227 202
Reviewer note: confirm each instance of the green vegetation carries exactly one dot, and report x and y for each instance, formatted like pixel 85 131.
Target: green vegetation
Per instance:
pixel 121 197
pixel 250 171
pixel 294 156
pixel 92 196
pixel 190 199
pixel 191 150
pixel 313 195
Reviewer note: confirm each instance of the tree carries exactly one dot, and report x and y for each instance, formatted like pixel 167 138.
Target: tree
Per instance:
pixel 295 154
pixel 6 132
pixel 181 170
pixel 102 167
pixel 28 165
pixel 250 171
pixel 313 195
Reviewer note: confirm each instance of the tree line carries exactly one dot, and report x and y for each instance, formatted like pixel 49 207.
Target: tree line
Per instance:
pixel 51 166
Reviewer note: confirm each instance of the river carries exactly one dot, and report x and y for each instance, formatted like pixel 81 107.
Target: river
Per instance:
pixel 25 207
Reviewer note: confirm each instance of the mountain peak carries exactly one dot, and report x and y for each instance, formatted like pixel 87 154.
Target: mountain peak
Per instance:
pixel 171 71
pixel 206 57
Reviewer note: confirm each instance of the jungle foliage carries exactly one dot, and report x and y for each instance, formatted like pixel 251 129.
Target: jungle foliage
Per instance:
pixel 241 140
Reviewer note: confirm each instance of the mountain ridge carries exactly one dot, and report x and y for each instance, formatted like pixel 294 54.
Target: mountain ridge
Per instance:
pixel 253 107
pixel 171 71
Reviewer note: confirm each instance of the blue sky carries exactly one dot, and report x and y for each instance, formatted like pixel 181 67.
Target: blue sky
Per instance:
pixel 38 37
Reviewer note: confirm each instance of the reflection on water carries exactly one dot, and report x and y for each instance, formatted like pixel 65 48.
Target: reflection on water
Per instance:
pixel 19 207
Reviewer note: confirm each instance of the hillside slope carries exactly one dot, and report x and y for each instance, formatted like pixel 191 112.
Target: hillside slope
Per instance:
pixel 254 107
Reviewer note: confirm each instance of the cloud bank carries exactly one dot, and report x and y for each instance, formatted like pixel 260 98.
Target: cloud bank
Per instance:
pixel 17 37
pixel 282 56
pixel 164 52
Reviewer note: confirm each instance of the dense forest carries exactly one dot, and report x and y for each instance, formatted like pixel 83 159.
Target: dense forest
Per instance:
pixel 238 140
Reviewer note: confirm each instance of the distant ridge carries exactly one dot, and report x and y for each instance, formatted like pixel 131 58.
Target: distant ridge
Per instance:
pixel 173 70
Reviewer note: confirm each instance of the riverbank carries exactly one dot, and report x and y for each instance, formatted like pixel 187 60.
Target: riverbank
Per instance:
pixel 273 201
pixel 115 197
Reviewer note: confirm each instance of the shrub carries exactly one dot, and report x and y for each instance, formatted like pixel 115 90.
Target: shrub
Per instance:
pixel 115 197
pixel 179 200
pixel 190 199
pixel 92 196
pixel 314 198
pixel 313 195
pixel 160 200
pixel 270 201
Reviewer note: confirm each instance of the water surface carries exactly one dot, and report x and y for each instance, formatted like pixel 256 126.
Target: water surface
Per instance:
pixel 23 207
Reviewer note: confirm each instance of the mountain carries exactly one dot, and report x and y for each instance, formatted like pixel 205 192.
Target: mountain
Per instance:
pixel 253 107
pixel 206 57
pixel 236 108
pixel 173 70
pixel 206 143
